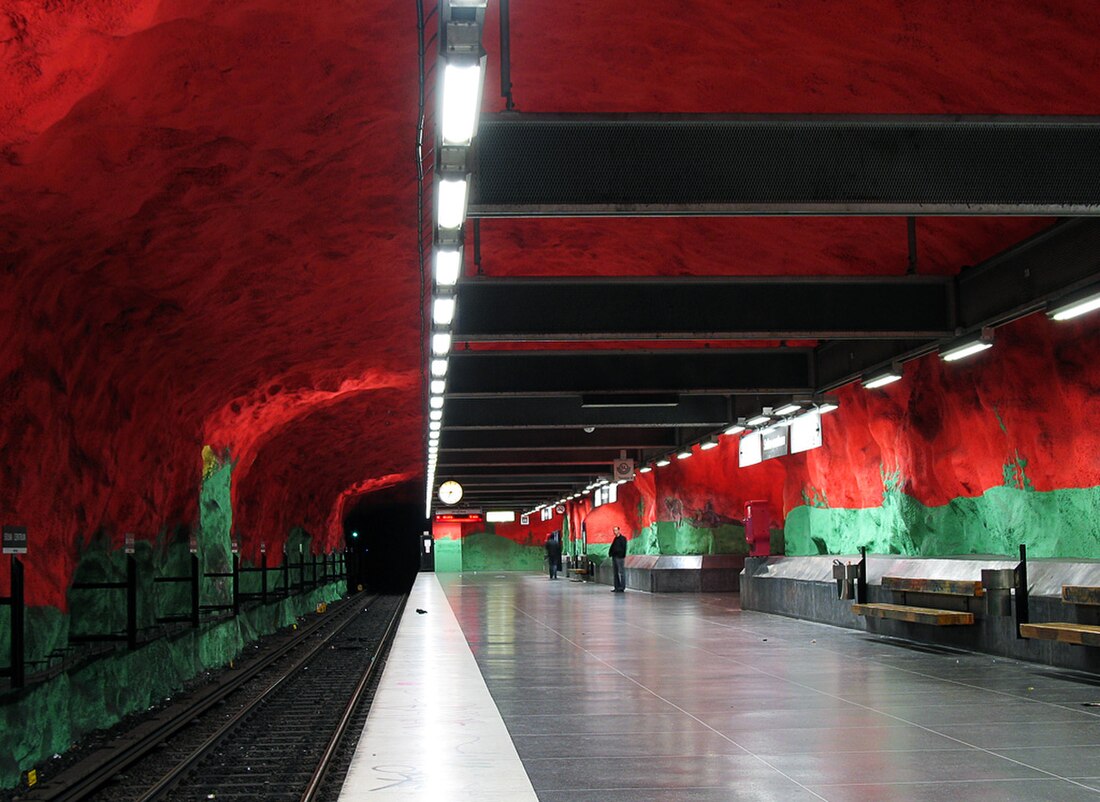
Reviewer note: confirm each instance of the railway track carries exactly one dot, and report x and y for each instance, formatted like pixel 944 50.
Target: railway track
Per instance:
pixel 270 731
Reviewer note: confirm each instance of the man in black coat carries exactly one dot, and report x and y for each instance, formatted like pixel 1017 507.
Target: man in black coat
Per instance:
pixel 553 554
pixel 617 553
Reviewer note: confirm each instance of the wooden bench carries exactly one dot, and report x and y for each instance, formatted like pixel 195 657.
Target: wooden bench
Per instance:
pixel 1069 631
pixel 918 614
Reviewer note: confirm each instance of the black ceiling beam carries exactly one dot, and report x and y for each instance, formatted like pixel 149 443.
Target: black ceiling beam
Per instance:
pixel 1022 279
pixel 917 307
pixel 551 439
pixel 567 412
pixel 514 479
pixel 621 165
pixel 720 371
pixel 548 469
pixel 599 458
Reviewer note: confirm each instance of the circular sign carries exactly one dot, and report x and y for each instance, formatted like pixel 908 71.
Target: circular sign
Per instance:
pixel 560 509
pixel 450 492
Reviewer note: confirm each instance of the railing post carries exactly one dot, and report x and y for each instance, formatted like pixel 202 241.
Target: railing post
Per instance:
pixel 286 573
pixel 236 584
pixel 195 590
pixel 18 644
pixel 263 576
pixel 131 601
pixel 861 577
pixel 1022 616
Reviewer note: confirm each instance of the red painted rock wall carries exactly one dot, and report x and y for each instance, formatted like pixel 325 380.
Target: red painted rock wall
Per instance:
pixel 207 228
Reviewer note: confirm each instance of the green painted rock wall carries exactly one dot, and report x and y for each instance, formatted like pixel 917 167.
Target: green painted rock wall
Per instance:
pixel 1057 523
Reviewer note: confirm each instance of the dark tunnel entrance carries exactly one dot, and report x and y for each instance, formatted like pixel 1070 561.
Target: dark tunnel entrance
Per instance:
pixel 383 542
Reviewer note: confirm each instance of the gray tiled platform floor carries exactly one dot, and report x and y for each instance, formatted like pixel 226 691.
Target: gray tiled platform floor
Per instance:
pixel 686 698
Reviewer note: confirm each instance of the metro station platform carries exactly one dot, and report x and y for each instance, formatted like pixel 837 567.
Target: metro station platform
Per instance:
pixel 513 687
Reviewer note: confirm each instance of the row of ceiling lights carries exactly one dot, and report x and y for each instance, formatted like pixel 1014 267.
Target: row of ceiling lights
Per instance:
pixel 1067 308
pixel 462 64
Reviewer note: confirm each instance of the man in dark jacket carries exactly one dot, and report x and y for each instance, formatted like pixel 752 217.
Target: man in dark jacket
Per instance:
pixel 553 554
pixel 617 553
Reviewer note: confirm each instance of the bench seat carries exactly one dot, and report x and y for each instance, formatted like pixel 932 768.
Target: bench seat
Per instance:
pixel 915 615
pixel 946 587
pixel 1081 594
pixel 1063 632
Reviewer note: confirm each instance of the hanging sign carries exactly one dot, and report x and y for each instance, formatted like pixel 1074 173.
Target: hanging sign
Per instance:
pixel 622 469
pixel 128 545
pixel 773 442
pixel 15 540
pixel 524 519
pixel 546 513
pixel 806 432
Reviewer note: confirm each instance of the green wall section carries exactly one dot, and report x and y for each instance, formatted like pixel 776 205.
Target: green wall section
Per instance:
pixel 685 538
pixel 487 551
pixel 97 691
pixel 50 717
pixel 1057 523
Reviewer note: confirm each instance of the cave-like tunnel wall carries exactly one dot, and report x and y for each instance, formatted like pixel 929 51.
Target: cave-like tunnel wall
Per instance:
pixel 974 457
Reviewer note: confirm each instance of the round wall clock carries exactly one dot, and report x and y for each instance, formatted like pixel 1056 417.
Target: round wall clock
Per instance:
pixel 450 492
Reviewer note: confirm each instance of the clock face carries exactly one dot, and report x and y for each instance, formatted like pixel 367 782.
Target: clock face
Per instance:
pixel 450 492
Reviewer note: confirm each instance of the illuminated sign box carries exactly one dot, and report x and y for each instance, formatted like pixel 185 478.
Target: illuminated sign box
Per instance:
pixel 806 432
pixel 773 442
pixel 749 450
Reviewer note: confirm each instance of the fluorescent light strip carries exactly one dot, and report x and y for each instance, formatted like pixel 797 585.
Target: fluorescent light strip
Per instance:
pixel 437 386
pixel 737 428
pixel 758 420
pixel 441 343
pixel 443 311
pixel 881 381
pixel 461 87
pixel 451 211
pixel 663 462
pixel 1076 308
pixel 706 445
pixel 436 402
pixel 787 409
pixel 684 455
pixel 439 367
pixel 448 267
pixel 963 351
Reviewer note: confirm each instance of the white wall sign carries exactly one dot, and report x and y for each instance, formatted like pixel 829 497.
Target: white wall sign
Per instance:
pixel 750 449
pixel 806 432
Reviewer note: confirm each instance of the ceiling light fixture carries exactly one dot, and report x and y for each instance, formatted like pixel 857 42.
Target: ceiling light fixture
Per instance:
pixel 451 193
pixel 967 346
pixel 758 420
pixel 882 378
pixel 436 402
pixel 685 454
pixel 662 462
pixel 645 469
pixel 437 386
pixel 439 367
pixel 787 409
pixel 461 91
pixel 736 428
pixel 443 310
pixel 708 444
pixel 1075 305
pixel 435 414
pixel 448 266
pixel 441 343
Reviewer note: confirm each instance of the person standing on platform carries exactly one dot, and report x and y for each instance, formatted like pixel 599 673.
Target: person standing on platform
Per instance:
pixel 617 553
pixel 553 553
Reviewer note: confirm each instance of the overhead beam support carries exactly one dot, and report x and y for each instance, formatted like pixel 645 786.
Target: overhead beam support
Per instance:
pixel 718 371
pixel 625 165
pixel 1016 282
pixel 558 439
pixel 567 412
pixel 704 309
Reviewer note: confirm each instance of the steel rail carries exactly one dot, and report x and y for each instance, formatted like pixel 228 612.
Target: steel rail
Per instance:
pixel 184 766
pixel 97 770
pixel 314 786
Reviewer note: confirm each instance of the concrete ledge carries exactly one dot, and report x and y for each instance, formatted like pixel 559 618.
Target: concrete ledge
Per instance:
pixel 701 573
pixel 803 587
